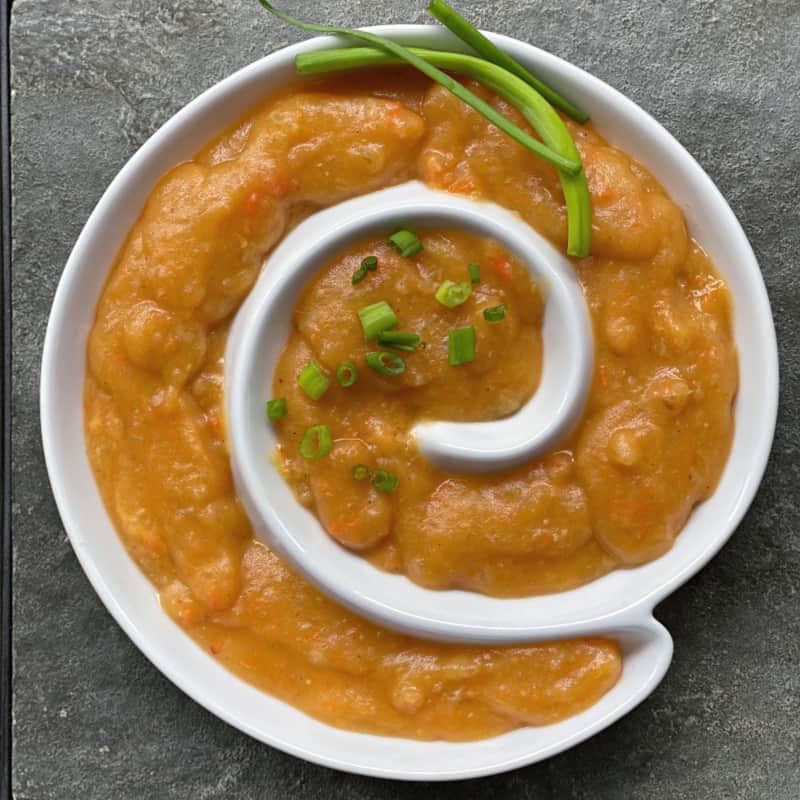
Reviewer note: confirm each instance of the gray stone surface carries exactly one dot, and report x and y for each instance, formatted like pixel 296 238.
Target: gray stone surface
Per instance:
pixel 93 719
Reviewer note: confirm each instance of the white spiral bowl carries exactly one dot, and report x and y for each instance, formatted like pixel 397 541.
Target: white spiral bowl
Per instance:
pixel 618 605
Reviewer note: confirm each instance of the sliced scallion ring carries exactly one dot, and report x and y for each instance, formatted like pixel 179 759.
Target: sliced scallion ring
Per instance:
pixel 495 313
pixel 313 380
pixel 386 363
pixel 376 318
pixel 453 294
pixel 361 472
pixel 461 346
pixel 400 340
pixel 384 480
pixel 347 374
pixel 317 442
pixel 276 408
pixel 406 243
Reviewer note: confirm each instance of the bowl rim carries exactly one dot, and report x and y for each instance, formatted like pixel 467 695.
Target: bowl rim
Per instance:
pixel 122 608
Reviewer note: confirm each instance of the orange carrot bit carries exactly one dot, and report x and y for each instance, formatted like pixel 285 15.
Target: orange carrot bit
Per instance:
pixel 215 648
pixel 462 186
pixel 187 616
pixel 602 375
pixel 215 599
pixel 343 525
pixel 153 543
pixel 433 167
pixel 606 193
pixel 252 204
pixel 637 508
pixel 501 266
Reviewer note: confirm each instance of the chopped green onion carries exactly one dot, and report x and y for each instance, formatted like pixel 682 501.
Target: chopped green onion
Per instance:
pixel 276 408
pixel 474 272
pixel 316 442
pixel 406 243
pixel 313 381
pixel 400 340
pixel 461 346
pixel 537 111
pixel 347 374
pixel 361 471
pixel 452 294
pixel 376 318
pixel 494 314
pixel 369 264
pixel 384 480
pixel 470 35
pixel 386 363
pixel 571 165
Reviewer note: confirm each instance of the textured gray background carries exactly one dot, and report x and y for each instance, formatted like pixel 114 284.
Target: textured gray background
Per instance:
pixel 93 719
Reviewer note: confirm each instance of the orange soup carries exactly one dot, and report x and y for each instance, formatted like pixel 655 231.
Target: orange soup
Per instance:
pixel 652 444
pixel 369 418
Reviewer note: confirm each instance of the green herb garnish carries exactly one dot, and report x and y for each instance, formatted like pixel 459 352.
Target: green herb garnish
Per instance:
pixel 536 110
pixel 570 165
pixel 461 346
pixel 317 442
pixel 470 35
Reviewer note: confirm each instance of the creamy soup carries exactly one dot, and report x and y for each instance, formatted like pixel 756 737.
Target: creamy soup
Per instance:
pixel 653 442
pixel 369 421
pixel 657 427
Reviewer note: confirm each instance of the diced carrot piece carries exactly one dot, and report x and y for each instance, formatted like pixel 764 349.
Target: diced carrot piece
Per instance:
pixel 501 266
pixel 463 186
pixel 253 203
pixel 606 193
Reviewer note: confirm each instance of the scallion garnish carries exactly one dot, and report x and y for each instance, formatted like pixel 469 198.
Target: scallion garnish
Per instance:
pixel 347 374
pixel 384 480
pixel 470 35
pixel 317 442
pixel 369 264
pixel 313 380
pixel 386 363
pixel 570 165
pixel 400 340
pixel 536 110
pixel 494 314
pixel 406 243
pixel 452 294
pixel 361 471
pixel 474 272
pixel 376 318
pixel 276 408
pixel 461 346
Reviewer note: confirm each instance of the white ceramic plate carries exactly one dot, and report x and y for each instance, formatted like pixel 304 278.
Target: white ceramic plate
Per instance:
pixel 131 598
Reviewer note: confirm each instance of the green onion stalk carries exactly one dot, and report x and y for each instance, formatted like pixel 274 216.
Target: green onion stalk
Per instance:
pixel 470 35
pixel 556 147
